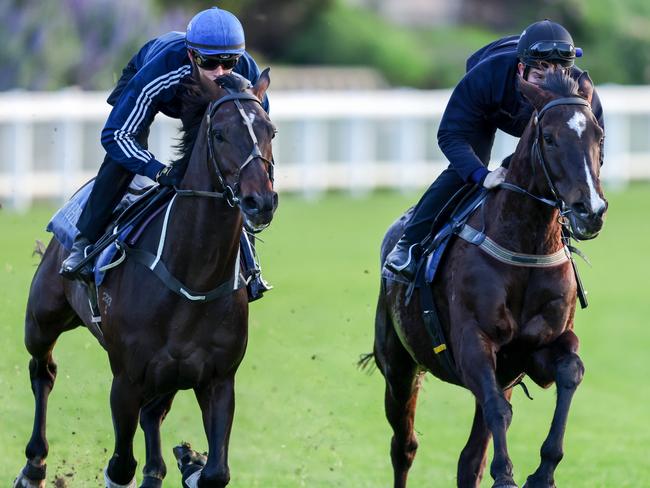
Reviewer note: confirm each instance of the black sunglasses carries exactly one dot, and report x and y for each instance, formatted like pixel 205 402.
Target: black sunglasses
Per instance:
pixel 551 49
pixel 226 61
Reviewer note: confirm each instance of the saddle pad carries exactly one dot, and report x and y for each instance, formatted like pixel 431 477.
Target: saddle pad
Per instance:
pixel 64 227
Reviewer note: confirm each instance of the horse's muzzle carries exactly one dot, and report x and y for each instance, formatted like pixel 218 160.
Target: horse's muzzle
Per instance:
pixel 585 222
pixel 258 209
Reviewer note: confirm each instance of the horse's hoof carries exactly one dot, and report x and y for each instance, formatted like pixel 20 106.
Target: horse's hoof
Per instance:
pixel 185 455
pixel 109 483
pixel 23 481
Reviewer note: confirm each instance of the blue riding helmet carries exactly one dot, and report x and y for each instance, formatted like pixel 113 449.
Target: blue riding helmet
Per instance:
pixel 547 41
pixel 215 31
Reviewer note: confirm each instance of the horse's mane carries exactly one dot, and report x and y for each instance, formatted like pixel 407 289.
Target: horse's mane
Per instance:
pixel 195 100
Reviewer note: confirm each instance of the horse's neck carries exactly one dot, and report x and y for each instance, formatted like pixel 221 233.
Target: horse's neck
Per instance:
pixel 528 226
pixel 203 232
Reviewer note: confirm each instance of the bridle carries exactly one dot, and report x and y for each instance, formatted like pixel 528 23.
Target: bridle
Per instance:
pixel 230 192
pixel 537 155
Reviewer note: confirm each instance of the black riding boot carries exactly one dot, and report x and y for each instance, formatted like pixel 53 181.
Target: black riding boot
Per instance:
pixel 403 259
pixel 77 253
pixel 257 286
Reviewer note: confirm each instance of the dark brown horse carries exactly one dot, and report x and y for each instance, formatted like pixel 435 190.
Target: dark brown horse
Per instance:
pixel 501 320
pixel 158 341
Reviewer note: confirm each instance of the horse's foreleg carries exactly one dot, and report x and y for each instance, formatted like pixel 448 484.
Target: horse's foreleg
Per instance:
pixel 471 463
pixel 42 373
pixel 217 402
pixel 560 363
pixel 125 408
pixel 400 398
pixel 40 338
pixel 477 363
pixel 151 417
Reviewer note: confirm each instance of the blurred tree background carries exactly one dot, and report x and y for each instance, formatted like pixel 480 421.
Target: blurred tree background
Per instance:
pixel 85 43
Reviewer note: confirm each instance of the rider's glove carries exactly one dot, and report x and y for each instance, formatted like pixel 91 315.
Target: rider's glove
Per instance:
pixel 169 176
pixel 495 178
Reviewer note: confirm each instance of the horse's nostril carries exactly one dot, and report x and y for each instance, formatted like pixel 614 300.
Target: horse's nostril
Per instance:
pixel 250 204
pixel 581 209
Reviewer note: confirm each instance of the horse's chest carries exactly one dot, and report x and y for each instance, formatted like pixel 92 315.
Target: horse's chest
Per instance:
pixel 547 308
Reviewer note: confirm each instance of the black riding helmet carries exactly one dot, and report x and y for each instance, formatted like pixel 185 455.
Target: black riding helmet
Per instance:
pixel 547 41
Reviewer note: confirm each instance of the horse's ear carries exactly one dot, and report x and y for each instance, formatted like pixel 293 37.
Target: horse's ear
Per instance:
pixel 262 84
pixel 534 94
pixel 585 86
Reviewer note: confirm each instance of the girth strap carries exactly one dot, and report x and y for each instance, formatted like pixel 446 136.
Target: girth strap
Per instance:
pixel 160 270
pixel 504 255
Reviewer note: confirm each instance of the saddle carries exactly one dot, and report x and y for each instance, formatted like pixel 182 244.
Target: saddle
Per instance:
pixel 453 216
pixel 132 216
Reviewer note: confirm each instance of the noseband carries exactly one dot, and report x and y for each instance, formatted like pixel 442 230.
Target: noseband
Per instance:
pixel 231 193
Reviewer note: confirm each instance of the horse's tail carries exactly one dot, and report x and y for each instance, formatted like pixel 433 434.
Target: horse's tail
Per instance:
pixel 39 249
pixel 365 362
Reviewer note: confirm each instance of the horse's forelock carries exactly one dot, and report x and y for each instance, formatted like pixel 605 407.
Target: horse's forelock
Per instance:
pixel 561 84
pixel 233 82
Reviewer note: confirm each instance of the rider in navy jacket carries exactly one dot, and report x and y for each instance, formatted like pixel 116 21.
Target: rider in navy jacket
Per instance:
pixel 152 82
pixel 487 98
pixel 158 70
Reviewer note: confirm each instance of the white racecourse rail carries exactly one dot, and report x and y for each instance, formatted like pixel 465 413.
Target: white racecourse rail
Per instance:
pixel 353 141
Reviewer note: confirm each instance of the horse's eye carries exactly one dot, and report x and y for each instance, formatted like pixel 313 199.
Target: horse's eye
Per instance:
pixel 548 139
pixel 218 135
pixel 275 131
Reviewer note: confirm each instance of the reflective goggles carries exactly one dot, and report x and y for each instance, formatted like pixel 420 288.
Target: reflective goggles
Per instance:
pixel 210 62
pixel 552 50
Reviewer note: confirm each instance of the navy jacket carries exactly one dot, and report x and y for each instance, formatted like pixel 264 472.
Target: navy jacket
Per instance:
pixel 487 99
pixel 151 83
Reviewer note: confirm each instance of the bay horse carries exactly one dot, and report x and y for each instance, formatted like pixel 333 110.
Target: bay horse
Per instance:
pixel 159 341
pixel 501 320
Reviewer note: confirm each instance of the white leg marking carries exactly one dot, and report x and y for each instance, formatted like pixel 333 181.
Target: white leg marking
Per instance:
pixel 111 484
pixel 578 123
pixel 193 479
pixel 595 201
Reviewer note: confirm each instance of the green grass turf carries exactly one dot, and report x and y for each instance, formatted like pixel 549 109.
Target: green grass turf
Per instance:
pixel 305 415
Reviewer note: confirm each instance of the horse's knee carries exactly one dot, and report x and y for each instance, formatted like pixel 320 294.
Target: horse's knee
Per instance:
pixel 570 371
pixel 43 370
pixel 403 452
pixel 497 413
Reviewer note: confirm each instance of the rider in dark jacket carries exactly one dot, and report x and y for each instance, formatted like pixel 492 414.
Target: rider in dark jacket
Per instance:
pixel 152 82
pixel 486 99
